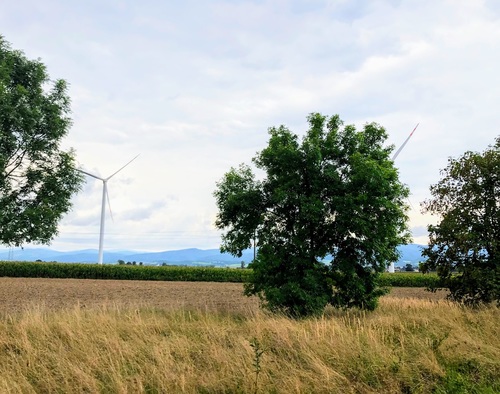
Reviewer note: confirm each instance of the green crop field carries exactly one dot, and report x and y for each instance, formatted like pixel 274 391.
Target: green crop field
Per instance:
pixel 170 273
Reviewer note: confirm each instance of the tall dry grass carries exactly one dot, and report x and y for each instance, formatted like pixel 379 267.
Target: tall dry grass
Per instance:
pixel 407 345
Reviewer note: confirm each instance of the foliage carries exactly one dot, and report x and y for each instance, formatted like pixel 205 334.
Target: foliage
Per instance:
pixel 37 178
pixel 464 246
pixel 335 193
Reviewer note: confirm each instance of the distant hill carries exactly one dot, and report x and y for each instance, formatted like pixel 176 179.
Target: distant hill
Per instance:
pixel 409 254
pixel 180 257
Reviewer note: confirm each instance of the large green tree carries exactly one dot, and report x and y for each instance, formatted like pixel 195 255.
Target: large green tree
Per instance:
pixel 328 216
pixel 464 246
pixel 37 178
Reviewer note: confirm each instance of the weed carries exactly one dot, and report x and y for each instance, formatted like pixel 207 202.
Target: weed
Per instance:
pixel 258 351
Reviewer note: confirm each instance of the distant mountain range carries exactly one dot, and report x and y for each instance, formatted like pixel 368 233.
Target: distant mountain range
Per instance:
pixel 409 254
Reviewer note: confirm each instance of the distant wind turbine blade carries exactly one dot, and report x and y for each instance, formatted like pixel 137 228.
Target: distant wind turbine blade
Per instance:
pixel 109 205
pixel 112 175
pixel 404 143
pixel 89 174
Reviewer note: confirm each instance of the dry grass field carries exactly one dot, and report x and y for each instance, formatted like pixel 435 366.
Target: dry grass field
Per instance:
pixel 86 336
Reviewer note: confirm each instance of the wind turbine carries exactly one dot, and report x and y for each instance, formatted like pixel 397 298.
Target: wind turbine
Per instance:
pixel 103 206
pixel 404 143
pixel 391 266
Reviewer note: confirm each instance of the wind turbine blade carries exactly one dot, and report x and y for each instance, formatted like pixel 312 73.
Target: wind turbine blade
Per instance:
pixel 89 174
pixel 394 158
pixel 404 143
pixel 109 205
pixel 112 175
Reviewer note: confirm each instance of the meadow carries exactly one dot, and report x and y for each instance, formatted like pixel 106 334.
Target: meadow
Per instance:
pixel 108 336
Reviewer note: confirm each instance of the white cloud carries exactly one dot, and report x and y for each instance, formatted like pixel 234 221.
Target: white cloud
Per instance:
pixel 193 87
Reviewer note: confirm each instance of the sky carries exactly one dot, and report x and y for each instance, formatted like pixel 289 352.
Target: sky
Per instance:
pixel 193 86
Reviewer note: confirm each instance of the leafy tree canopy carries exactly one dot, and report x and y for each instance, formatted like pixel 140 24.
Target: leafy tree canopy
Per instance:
pixel 464 246
pixel 37 178
pixel 333 195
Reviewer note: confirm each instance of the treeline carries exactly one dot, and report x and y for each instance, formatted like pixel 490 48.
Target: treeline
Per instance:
pixel 170 273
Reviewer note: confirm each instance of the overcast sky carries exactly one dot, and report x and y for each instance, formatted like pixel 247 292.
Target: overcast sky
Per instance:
pixel 193 86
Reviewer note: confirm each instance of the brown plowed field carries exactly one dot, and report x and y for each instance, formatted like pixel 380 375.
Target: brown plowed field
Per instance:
pixel 18 294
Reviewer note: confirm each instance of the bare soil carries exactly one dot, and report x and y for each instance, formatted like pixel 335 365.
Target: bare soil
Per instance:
pixel 19 294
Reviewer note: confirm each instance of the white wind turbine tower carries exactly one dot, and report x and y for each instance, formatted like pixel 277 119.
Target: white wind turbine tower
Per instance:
pixel 103 206
pixel 391 266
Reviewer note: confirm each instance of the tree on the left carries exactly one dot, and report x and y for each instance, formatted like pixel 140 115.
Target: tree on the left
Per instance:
pixel 37 177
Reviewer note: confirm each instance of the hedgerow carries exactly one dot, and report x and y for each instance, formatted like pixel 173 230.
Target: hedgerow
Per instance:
pixel 171 273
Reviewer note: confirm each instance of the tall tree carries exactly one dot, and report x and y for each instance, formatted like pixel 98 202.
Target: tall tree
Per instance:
pixel 333 196
pixel 37 178
pixel 464 246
